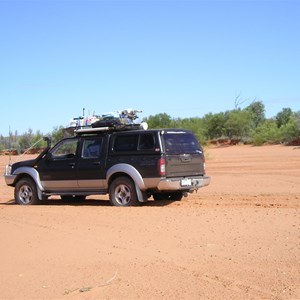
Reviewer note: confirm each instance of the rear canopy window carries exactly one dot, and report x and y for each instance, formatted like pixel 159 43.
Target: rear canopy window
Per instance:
pixel 181 142
pixel 126 143
pixel 134 142
pixel 146 142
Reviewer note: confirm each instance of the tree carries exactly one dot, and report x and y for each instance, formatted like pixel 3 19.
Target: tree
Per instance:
pixel 238 101
pixel 2 142
pixel 25 141
pixel 238 124
pixel 266 132
pixel 282 117
pixel 290 132
pixel 57 134
pixel 38 140
pixel 161 120
pixel 194 124
pixel 214 125
pixel 257 109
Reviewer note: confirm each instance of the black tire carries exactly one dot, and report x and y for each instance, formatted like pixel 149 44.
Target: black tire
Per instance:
pixel 122 192
pixel 26 192
pixel 79 198
pixel 171 196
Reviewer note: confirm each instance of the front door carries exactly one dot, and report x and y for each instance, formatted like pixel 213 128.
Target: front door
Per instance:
pixel 58 168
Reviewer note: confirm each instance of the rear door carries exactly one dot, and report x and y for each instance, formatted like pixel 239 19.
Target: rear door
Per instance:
pixel 184 156
pixel 91 163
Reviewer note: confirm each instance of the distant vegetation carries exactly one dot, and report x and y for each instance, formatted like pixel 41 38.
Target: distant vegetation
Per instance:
pixel 28 141
pixel 248 126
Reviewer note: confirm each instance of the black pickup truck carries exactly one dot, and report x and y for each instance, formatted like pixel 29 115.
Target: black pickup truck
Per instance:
pixel 129 165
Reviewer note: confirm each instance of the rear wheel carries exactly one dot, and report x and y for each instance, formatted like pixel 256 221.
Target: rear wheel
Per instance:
pixel 26 192
pixel 122 192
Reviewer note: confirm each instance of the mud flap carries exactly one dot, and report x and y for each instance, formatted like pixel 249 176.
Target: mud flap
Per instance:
pixel 39 193
pixel 142 196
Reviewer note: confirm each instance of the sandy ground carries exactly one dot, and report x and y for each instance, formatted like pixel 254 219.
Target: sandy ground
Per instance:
pixel 236 239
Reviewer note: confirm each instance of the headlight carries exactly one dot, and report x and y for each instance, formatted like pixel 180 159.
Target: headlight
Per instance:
pixel 7 170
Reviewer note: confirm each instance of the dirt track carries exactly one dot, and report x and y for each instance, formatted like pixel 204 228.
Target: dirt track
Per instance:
pixel 236 239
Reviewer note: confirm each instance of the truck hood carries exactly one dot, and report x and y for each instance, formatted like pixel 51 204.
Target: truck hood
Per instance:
pixel 30 162
pixel 24 163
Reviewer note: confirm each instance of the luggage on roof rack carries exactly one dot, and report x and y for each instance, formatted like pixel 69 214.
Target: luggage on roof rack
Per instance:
pixel 113 121
pixel 110 122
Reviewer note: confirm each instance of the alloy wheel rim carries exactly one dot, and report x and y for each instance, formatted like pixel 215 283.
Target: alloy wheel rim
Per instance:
pixel 122 194
pixel 25 194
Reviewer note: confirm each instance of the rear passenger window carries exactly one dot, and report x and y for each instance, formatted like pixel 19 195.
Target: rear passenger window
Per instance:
pixel 91 148
pixel 126 142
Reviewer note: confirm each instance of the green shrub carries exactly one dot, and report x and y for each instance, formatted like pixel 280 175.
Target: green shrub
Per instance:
pixel 290 131
pixel 266 132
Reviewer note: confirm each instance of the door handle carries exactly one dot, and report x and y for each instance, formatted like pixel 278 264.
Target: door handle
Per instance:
pixel 72 165
pixel 97 163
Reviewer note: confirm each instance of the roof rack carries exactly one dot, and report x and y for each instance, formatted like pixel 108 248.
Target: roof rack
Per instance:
pixel 119 121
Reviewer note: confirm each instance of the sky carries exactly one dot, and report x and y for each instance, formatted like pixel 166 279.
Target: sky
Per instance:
pixel 184 58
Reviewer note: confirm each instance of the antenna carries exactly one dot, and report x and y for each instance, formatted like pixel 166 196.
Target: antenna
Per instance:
pixel 30 148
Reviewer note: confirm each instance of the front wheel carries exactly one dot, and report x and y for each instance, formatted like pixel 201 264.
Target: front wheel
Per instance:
pixel 122 192
pixel 26 192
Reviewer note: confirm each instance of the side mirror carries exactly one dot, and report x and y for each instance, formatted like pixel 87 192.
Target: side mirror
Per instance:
pixel 48 140
pixel 70 155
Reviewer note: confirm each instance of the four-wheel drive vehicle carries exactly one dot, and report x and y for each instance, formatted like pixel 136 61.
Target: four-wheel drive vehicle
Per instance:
pixel 130 166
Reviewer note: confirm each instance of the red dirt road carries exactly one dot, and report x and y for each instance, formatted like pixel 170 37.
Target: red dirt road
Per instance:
pixel 236 239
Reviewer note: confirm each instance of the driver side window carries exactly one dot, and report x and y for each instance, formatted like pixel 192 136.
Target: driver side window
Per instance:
pixel 66 149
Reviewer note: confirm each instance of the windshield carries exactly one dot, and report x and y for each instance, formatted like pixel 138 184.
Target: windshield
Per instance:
pixel 181 143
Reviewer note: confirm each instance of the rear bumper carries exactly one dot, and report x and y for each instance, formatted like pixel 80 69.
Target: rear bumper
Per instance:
pixel 175 184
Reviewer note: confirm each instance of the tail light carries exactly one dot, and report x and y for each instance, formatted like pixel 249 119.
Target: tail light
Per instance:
pixel 204 166
pixel 162 167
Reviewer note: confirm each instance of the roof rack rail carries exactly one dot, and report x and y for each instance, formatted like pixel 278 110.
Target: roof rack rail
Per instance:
pixel 125 127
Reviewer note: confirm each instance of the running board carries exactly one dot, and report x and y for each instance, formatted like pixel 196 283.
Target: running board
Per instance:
pixel 78 193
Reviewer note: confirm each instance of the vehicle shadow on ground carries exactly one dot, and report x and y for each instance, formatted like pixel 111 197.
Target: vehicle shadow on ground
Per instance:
pixel 91 202
pixel 9 202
